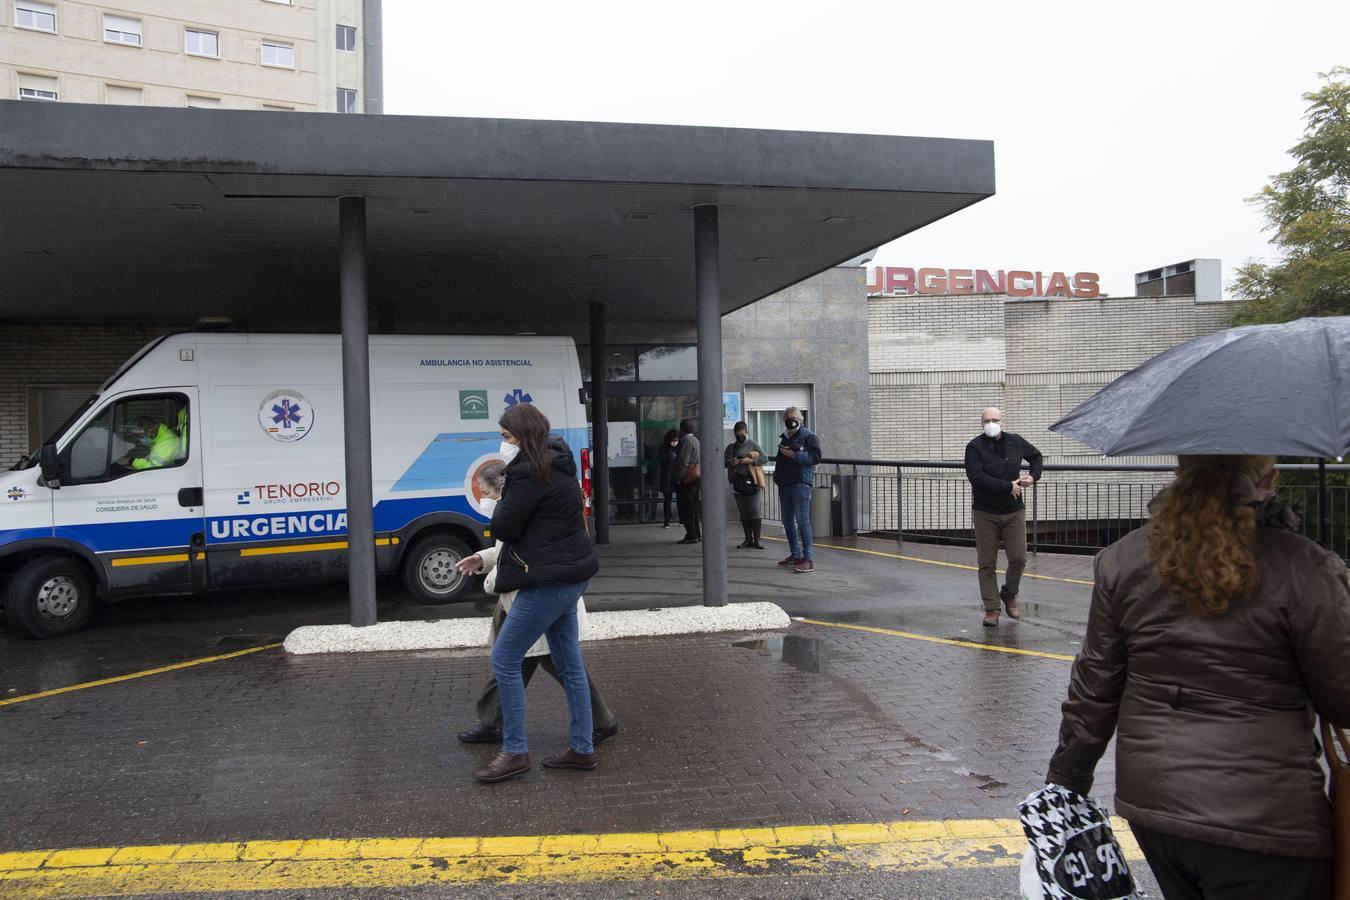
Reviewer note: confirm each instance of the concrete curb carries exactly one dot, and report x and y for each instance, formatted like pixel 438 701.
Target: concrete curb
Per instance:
pixel 456 634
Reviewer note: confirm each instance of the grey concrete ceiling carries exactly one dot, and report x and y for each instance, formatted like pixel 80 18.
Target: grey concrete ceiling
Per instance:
pixel 117 213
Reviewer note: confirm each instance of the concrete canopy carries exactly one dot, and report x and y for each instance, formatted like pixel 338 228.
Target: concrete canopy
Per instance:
pixel 121 213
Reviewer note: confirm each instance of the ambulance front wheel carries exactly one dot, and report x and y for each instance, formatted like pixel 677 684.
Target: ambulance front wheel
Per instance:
pixel 429 569
pixel 50 597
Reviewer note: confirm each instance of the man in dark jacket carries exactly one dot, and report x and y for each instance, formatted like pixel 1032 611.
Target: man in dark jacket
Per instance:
pixel 795 473
pixel 994 467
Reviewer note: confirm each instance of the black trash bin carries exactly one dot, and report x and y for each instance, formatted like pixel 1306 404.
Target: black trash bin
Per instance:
pixel 844 506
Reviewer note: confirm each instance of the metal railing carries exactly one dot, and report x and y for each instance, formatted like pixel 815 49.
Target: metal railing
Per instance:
pixel 1073 509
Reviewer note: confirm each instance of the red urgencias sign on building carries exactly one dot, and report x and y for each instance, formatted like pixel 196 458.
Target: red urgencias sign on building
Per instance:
pixel 891 280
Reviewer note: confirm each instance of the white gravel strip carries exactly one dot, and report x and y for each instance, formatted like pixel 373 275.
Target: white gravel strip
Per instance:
pixel 456 634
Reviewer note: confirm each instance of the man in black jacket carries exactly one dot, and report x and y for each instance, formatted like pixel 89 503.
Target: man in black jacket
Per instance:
pixel 994 467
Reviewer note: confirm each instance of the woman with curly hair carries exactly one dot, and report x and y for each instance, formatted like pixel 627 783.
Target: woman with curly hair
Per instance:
pixel 1215 637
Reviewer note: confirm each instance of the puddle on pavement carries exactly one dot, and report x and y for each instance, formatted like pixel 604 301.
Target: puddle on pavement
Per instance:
pixel 805 654
pixel 808 655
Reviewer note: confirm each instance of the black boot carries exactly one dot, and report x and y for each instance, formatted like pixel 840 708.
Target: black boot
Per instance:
pixel 749 538
pixel 756 532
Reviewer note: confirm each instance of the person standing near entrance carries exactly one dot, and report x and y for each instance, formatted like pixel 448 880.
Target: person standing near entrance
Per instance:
pixel 689 474
pixel 994 468
pixel 745 471
pixel 795 474
pixel 669 484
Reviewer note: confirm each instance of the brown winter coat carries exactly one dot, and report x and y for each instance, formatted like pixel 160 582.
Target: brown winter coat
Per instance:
pixel 1213 716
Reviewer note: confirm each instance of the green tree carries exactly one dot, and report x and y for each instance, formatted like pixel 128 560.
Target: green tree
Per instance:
pixel 1308 209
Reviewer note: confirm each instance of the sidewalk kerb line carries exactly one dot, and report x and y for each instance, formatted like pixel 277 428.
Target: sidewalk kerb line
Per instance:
pixel 934 562
pixel 974 645
pixel 409 862
pixel 116 679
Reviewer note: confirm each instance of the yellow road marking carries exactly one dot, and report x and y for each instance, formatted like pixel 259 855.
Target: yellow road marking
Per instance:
pixel 935 562
pixel 976 645
pixel 412 862
pixel 308 548
pixel 24 698
pixel 150 560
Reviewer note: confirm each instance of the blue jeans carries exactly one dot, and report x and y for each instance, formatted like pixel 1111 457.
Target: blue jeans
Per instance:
pixel 796 502
pixel 542 609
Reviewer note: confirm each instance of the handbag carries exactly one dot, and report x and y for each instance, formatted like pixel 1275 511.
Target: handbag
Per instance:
pixel 1072 853
pixel 1336 746
pixel 691 474
pixel 744 484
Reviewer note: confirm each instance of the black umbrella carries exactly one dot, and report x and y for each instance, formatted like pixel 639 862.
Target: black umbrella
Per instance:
pixel 1279 390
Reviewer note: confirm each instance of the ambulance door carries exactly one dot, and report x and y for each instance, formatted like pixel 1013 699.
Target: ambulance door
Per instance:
pixel 131 491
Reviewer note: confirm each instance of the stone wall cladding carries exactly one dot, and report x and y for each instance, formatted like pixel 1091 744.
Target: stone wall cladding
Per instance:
pixel 815 332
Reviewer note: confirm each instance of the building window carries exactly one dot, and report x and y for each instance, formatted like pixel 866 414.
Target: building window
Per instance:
pixel 201 43
pixel 38 87
pixel 120 95
pixel 37 16
pixel 121 30
pixel 281 56
pixel 346 38
pixel 764 407
pixel 198 102
pixel 673 363
pixel 346 100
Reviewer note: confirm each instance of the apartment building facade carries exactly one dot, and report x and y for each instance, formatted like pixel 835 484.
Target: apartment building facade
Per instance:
pixel 285 55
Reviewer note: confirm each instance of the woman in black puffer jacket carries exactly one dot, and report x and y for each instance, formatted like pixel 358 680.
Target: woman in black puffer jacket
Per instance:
pixel 548 556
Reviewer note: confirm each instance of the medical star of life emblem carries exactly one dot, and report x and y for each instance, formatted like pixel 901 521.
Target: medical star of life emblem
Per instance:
pixel 16 493
pixel 517 396
pixel 286 413
pixel 286 416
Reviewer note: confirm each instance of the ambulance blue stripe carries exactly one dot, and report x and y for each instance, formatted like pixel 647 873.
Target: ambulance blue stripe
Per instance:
pixel 10 535
pixel 390 515
pixel 114 537
pixel 446 460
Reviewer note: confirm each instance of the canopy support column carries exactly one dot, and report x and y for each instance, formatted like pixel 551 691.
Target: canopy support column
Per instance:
pixel 714 484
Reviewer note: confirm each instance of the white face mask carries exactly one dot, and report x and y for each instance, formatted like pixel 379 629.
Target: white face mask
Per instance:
pixel 508 450
pixel 993 429
pixel 486 506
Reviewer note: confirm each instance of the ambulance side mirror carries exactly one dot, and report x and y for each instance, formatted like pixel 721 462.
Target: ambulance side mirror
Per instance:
pixel 51 466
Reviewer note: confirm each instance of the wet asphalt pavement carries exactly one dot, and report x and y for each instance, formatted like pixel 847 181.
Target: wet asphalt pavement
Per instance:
pixel 817 725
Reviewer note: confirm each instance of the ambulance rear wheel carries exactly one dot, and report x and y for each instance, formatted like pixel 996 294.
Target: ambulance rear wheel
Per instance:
pixel 429 570
pixel 50 597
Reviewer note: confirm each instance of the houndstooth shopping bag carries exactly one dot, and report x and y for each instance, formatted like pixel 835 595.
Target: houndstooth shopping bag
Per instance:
pixel 1071 852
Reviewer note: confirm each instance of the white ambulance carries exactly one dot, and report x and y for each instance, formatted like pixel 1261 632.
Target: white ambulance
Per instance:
pixel 216 460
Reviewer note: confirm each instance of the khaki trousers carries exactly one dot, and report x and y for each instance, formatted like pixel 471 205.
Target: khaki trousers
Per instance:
pixel 990 528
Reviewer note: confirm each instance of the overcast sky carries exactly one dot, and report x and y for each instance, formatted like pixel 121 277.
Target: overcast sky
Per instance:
pixel 1125 138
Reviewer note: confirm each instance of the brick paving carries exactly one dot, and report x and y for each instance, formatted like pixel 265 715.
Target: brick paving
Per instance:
pixel 827 725
pixel 814 725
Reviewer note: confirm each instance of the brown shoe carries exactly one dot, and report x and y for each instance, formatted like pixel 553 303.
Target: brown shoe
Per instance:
pixel 1010 604
pixel 570 759
pixel 804 566
pixel 504 766
pixel 991 618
